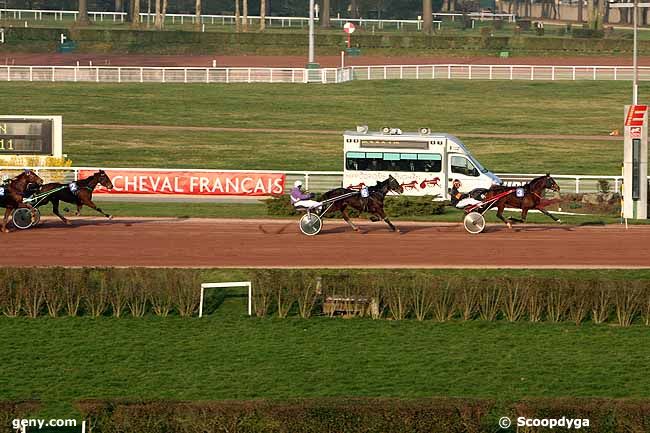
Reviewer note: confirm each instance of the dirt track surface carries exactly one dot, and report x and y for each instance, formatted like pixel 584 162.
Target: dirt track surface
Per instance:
pixel 71 59
pixel 278 243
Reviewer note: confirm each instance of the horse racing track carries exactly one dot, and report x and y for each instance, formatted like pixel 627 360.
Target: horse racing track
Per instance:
pixel 278 243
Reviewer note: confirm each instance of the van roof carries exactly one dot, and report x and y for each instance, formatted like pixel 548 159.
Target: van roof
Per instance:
pixel 407 135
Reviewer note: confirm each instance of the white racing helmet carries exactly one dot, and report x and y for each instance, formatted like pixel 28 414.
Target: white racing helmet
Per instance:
pixel 297 183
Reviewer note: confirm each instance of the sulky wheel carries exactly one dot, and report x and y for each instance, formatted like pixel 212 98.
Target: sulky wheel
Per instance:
pixel 474 223
pixel 311 224
pixel 22 218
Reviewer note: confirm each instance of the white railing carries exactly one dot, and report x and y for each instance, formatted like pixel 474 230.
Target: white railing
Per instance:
pixel 136 74
pixel 273 21
pixel 497 72
pixel 133 74
pixel 480 16
pixel 324 180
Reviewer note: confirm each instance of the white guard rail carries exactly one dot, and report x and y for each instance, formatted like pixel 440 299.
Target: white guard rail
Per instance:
pixel 325 180
pixel 109 74
pixel 136 74
pixel 496 72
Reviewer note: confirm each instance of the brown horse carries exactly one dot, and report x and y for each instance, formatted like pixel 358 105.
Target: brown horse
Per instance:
pixel 13 193
pixel 79 193
pixel 373 204
pixel 531 199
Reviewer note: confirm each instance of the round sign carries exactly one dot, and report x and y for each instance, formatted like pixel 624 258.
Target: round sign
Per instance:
pixel 349 28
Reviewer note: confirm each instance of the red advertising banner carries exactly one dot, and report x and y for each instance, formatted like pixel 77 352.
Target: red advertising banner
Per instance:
pixel 190 182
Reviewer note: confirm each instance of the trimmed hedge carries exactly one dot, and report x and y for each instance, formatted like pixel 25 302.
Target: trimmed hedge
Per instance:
pixel 584 41
pixel 369 415
pixel 11 410
pixel 401 206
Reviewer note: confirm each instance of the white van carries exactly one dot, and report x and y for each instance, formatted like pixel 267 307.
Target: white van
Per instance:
pixel 415 159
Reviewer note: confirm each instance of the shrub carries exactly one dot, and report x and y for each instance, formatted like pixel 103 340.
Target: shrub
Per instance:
pixel 356 415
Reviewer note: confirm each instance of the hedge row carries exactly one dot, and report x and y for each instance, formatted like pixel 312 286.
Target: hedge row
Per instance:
pixel 185 41
pixel 395 295
pixel 11 410
pixel 436 415
pixel 399 296
pixel 98 292
pixel 401 206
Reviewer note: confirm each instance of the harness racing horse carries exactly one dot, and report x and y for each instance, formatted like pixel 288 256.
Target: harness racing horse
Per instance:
pixel 14 191
pixel 531 199
pixel 373 204
pixel 79 193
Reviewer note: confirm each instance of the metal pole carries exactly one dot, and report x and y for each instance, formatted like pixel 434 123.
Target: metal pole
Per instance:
pixel 635 88
pixel 311 31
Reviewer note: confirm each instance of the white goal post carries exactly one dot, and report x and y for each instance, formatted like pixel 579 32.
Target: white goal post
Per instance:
pixel 226 285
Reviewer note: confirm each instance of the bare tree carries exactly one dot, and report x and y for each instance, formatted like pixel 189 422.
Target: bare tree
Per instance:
pixel 157 21
pixel 263 15
pixel 119 5
pixel 163 14
pixel 354 9
pixel 325 15
pixel 237 17
pixel 427 17
pixel 83 13
pixel 580 11
pixel 135 13
pixel 600 18
pixel 245 12
pixel 197 11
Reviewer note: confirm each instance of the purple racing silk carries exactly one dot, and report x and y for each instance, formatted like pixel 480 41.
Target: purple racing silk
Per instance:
pixel 297 195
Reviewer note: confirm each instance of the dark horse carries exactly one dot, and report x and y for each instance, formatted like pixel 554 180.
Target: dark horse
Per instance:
pixel 532 198
pixel 80 194
pixel 373 204
pixel 13 193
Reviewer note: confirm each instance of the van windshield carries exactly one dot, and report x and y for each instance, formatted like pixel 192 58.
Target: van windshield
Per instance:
pixel 478 164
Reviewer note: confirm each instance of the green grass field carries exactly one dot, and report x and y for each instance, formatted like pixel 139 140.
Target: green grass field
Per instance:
pixel 229 356
pixel 458 107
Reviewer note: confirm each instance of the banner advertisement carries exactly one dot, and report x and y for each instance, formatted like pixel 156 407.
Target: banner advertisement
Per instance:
pixel 191 182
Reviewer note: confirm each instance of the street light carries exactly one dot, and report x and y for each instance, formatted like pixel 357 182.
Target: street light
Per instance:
pixel 311 62
pixel 635 88
pixel 635 73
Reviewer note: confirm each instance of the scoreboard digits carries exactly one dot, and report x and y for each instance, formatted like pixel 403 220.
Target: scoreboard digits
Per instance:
pixel 25 136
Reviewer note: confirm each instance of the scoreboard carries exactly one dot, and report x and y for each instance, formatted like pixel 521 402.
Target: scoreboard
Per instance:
pixel 31 135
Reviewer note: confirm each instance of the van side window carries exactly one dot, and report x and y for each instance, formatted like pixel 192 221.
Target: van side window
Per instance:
pixel 394 162
pixel 462 165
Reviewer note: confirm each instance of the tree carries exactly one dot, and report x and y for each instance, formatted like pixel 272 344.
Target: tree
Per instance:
pixel 83 13
pixel 197 9
pixel 163 14
pixel 325 15
pixel 119 5
pixel 245 7
pixel 157 21
pixel 135 13
pixel 237 17
pixel 427 17
pixel 263 15
pixel 580 8
pixel 354 9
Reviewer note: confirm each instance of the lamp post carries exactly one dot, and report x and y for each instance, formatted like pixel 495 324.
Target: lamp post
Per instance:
pixel 635 87
pixel 311 61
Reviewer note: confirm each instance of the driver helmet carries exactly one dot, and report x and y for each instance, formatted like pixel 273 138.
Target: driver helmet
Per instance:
pixel 298 184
